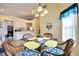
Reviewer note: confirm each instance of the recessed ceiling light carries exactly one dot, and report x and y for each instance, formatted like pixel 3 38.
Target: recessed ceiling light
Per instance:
pixel 24 13
pixel 1 10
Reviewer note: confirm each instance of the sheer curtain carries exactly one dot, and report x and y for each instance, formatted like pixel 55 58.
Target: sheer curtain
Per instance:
pixel 69 22
pixel 69 27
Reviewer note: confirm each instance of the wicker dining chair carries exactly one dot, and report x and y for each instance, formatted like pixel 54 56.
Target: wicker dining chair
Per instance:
pixel 48 35
pixel 11 47
pixel 68 46
pixel 27 36
pixel 67 50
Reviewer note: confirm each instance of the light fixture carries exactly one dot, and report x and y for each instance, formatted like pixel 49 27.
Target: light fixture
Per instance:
pixel 40 11
pixel 1 10
pixel 45 11
pixel 37 15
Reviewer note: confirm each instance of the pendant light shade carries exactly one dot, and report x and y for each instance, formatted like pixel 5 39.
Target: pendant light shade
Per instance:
pixel 39 9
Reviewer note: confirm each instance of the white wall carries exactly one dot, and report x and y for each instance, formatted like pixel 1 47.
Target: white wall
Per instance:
pixel 17 23
pixel 53 17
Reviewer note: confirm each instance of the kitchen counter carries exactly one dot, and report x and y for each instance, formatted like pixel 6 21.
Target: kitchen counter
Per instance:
pixel 19 34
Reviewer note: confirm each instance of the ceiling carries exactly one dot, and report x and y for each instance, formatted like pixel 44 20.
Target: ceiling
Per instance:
pixel 22 10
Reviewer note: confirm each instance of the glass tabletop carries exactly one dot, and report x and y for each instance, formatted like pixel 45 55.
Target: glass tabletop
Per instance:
pixel 28 52
pixel 56 51
pixel 40 40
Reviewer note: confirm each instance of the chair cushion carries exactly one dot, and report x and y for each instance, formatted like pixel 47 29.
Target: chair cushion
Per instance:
pixel 54 51
pixel 28 52
pixel 31 45
pixel 51 43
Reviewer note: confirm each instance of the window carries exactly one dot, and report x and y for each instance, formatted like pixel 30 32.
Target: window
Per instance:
pixel 69 22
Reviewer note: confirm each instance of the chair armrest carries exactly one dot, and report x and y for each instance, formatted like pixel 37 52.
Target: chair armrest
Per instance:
pixel 62 43
pixel 18 46
pixel 7 53
pixel 15 46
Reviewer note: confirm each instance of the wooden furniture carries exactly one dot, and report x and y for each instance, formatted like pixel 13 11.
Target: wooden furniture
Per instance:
pixel 48 35
pixel 27 36
pixel 67 50
pixel 68 46
pixel 11 47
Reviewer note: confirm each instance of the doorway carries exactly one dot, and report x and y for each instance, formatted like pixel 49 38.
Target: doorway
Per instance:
pixel 9 33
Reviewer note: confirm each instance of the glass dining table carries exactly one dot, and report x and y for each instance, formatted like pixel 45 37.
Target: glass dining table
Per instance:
pixel 32 46
pixel 30 49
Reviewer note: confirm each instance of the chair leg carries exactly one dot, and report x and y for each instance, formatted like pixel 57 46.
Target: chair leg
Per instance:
pixel 69 54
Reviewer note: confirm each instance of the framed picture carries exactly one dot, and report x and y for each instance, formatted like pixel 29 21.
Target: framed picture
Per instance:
pixel 49 26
